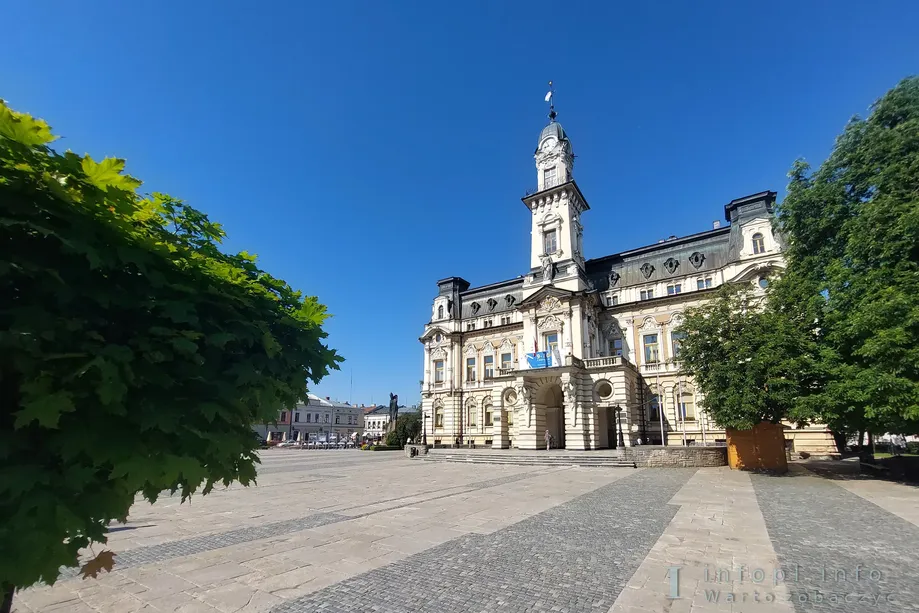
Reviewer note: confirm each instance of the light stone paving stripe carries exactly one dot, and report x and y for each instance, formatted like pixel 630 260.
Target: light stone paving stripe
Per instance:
pixel 718 528
pixel 817 526
pixel 901 500
pixel 575 557
pixel 195 545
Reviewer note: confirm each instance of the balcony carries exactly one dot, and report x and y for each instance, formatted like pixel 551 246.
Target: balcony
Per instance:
pixel 604 362
pixel 660 368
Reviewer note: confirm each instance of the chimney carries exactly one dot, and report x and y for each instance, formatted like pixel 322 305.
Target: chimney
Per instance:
pixel 326 397
pixel 716 224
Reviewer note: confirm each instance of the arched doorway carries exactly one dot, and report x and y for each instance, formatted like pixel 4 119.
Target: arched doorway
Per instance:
pixel 553 401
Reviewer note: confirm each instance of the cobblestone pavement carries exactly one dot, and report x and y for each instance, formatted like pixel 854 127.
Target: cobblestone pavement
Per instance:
pixel 574 557
pixel 839 551
pixel 359 531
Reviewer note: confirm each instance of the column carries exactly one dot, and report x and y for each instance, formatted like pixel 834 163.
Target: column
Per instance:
pixel 427 367
pixel 499 434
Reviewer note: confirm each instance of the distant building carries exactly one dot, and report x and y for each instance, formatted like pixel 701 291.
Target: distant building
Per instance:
pixel 319 419
pixel 377 420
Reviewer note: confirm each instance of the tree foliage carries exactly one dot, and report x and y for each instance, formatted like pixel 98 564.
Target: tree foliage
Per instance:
pixel 134 354
pixel 751 363
pixel 852 228
pixel 408 426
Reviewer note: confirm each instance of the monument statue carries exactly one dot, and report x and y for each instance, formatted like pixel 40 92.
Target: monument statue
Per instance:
pixel 393 409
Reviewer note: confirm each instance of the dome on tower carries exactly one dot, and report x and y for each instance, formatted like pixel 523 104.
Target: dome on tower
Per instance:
pixel 553 129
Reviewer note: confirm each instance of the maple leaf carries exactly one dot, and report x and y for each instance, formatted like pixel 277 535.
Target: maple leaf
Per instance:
pixel 104 561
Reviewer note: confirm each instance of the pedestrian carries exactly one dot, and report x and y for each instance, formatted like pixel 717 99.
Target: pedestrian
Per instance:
pixel 638 442
pixel 548 440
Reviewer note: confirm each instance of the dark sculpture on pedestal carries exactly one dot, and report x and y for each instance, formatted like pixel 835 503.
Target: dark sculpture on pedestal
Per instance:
pixel 393 410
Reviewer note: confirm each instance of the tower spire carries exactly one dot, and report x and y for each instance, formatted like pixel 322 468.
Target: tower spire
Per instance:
pixel 550 98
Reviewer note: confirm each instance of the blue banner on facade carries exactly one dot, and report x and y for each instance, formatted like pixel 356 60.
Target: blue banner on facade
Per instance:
pixel 540 359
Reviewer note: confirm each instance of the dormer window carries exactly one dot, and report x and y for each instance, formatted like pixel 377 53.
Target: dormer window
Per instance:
pixel 440 312
pixel 759 245
pixel 549 177
pixel 550 241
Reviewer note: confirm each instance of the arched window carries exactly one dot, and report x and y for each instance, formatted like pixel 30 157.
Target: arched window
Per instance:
pixel 440 312
pixel 486 410
pixel 470 415
pixel 438 416
pixel 759 246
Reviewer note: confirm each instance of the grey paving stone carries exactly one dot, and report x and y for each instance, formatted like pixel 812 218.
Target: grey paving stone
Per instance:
pixel 575 557
pixel 815 525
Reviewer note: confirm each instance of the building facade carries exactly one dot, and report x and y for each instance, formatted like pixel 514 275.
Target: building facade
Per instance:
pixel 319 419
pixel 587 349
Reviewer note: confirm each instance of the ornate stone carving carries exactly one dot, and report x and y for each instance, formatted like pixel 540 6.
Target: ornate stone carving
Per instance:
pixel 613 278
pixel 506 345
pixel 649 323
pixel 492 303
pixel 527 395
pixel 671 265
pixel 676 320
pixel 647 270
pixel 550 323
pixel 696 259
pixel 570 390
pixel 438 353
pixel 509 300
pixel 470 350
pixel 475 307
pixel 549 304
pixel 510 396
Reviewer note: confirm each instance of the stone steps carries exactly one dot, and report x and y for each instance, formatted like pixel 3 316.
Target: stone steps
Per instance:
pixel 531 460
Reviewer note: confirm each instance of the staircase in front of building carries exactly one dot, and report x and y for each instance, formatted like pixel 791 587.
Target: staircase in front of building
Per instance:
pixel 605 458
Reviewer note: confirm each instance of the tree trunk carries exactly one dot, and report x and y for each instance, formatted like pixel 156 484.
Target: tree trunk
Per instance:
pixel 871 442
pixel 861 439
pixel 7 605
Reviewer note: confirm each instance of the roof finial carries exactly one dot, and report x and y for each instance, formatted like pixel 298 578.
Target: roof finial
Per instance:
pixel 550 99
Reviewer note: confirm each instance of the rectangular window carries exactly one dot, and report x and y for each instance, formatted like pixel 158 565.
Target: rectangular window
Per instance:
pixel 506 361
pixel 308 416
pixel 296 417
pixel 612 300
pixel 470 369
pixel 489 323
pixel 674 289
pixel 550 241
pixel 438 371
pixel 615 347
pixel 552 342
pixel 326 418
pixel 489 366
pixel 647 294
pixel 438 419
pixel 549 176
pixel 488 418
pixel 283 416
pixel 470 326
pixel 651 349
pixel 505 321
pixel 704 283
pixel 687 410
pixel 317 418
pixel 337 418
pixel 676 338
pixel 654 409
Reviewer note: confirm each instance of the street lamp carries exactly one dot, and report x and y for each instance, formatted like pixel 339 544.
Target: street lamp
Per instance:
pixel 619 424
pixel 424 429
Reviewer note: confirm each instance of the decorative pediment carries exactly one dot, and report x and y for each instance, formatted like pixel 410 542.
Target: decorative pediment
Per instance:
pixel 614 278
pixel 550 303
pixel 475 307
pixel 492 303
pixel 647 270
pixel 488 348
pixel 696 259
pixel 671 265
pixel 550 323
pixel 676 320
pixel 507 345
pixel 438 353
pixel 469 350
pixel 649 324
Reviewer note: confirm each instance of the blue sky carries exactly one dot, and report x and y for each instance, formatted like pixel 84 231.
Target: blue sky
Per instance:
pixel 365 150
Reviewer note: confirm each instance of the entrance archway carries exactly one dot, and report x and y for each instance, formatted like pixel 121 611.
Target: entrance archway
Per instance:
pixel 553 401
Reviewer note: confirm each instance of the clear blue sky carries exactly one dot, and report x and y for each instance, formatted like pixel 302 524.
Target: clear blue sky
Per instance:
pixel 365 150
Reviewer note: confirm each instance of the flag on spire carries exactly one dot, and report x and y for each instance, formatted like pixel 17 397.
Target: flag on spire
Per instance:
pixel 549 96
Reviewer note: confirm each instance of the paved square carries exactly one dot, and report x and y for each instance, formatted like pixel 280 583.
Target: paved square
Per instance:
pixel 363 531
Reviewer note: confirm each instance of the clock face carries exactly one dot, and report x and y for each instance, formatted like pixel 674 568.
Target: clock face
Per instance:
pixel 548 144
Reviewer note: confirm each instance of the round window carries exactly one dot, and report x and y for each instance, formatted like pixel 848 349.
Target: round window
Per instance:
pixel 763 282
pixel 604 389
pixel 438 338
pixel 510 397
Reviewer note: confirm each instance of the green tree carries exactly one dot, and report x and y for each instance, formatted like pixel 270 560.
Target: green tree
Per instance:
pixel 852 229
pixel 751 363
pixel 134 354
pixel 408 426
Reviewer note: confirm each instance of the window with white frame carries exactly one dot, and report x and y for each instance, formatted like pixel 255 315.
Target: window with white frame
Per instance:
pixel 687 407
pixel 647 294
pixel 470 369
pixel 438 417
pixel 759 245
pixel 440 312
pixel 506 361
pixel 705 283
pixel 652 349
pixel 438 371
pixel 550 242
pixel 551 342
pixel 470 326
pixel 612 300
pixel 676 339
pixel 549 177
pixel 615 347
pixel 489 363
pixel 488 323
pixel 674 288
pixel 470 415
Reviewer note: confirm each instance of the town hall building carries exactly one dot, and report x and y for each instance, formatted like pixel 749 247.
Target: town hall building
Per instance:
pixel 587 349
